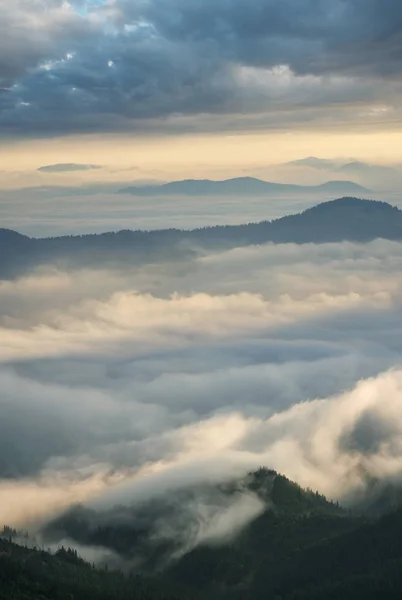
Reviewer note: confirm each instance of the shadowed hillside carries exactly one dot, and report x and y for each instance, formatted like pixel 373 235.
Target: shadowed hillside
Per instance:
pixel 34 574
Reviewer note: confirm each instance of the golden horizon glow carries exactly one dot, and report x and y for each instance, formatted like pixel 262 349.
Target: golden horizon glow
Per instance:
pixel 181 156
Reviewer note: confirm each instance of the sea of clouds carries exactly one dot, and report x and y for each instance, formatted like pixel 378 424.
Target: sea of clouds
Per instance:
pixel 117 386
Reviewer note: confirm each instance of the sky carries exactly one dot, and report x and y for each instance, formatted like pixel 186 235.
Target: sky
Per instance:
pixel 172 88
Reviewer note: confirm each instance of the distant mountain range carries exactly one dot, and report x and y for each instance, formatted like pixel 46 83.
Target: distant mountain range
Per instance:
pixel 313 162
pixel 357 168
pixel 345 219
pixel 241 186
pixel 374 174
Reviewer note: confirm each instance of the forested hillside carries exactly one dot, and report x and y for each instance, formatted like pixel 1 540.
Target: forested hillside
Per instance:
pixel 301 547
pixel 34 574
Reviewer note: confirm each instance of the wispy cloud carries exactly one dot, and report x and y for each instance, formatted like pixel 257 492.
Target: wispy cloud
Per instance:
pixel 67 168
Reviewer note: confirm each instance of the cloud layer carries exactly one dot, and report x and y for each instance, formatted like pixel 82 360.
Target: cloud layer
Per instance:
pixel 119 385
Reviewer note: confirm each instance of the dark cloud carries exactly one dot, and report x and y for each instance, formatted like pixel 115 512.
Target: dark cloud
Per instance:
pixel 132 64
pixel 33 32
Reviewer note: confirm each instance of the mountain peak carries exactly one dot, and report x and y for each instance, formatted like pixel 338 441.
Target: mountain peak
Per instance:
pixel 9 236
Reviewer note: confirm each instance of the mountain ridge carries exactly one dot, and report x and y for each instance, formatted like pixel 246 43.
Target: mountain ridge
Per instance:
pixel 344 219
pixel 345 202
pixel 238 186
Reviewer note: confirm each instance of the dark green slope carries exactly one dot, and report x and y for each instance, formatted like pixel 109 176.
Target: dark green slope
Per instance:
pixel 295 521
pixel 302 550
pixel 363 563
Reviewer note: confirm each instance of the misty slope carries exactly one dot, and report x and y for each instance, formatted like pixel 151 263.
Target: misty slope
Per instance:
pixel 300 547
pixel 348 219
pixel 291 518
pixel 239 186
pixel 125 530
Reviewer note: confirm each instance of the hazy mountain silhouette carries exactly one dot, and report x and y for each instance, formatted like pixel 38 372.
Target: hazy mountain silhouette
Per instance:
pixel 362 169
pixel 373 175
pixel 240 186
pixel 346 219
pixel 320 164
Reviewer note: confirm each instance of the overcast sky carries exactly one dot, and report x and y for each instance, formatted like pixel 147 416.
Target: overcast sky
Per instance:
pixel 240 83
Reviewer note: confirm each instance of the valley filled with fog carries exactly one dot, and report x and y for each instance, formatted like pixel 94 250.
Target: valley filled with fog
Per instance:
pixel 66 199
pixel 64 211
